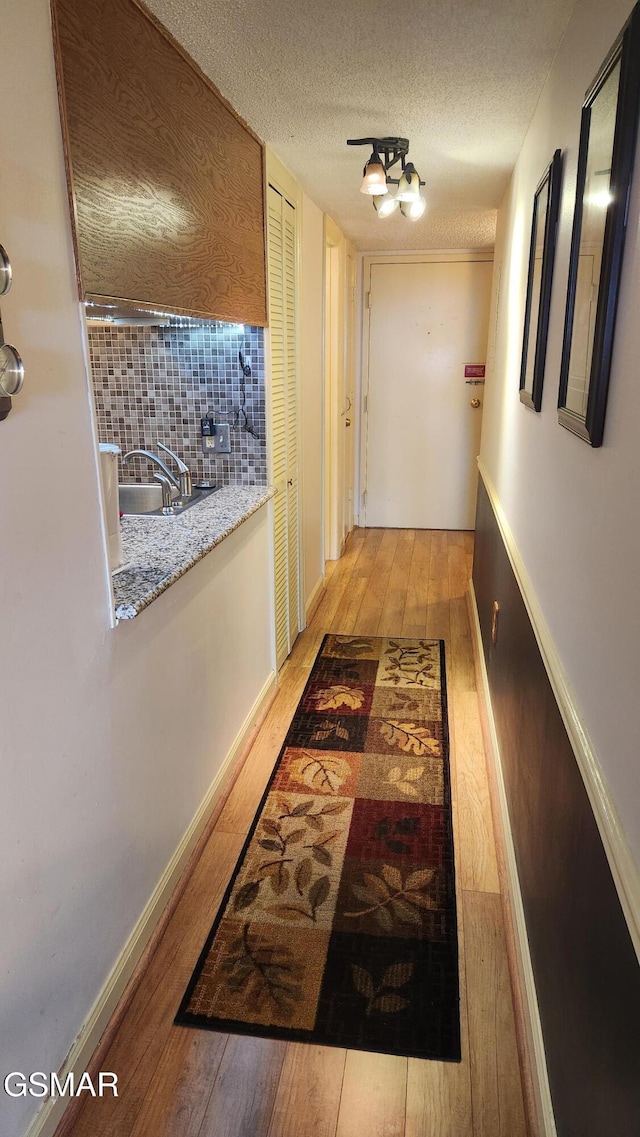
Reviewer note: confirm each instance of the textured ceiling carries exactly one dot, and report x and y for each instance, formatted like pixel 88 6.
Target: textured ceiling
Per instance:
pixel 459 78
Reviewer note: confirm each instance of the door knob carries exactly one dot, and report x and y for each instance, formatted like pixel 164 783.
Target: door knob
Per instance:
pixel 475 403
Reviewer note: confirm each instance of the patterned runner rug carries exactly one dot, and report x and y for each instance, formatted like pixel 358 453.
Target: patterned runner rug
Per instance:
pixel 339 924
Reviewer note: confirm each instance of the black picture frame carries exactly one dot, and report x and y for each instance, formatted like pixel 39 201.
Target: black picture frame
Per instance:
pixel 544 228
pixel 588 421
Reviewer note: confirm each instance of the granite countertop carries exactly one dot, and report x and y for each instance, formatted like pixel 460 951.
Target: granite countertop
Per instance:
pixel 157 551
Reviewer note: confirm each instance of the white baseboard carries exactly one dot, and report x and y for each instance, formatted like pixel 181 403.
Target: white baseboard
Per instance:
pixel 50 1115
pixel 624 867
pixel 539 1073
pixel 314 600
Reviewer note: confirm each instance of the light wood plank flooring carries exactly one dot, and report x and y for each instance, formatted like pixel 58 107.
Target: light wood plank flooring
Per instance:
pixel 178 1082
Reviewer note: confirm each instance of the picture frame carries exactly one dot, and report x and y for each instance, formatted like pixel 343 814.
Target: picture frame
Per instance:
pixel 608 133
pixel 542 246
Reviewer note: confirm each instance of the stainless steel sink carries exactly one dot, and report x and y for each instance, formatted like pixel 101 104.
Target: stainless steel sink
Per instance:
pixel 141 500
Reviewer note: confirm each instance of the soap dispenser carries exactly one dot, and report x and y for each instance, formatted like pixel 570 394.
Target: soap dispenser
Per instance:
pixel 109 454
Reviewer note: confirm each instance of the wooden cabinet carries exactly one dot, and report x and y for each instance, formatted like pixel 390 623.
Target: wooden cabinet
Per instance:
pixel 166 182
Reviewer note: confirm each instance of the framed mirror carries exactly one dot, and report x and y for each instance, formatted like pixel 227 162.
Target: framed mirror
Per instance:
pixel 605 165
pixel 539 280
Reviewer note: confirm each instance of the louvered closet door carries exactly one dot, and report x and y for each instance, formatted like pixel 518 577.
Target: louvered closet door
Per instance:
pixel 282 300
pixel 291 395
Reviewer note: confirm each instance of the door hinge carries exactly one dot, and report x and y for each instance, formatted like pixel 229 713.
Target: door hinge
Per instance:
pixel 365 405
pixel 364 499
pixel 368 299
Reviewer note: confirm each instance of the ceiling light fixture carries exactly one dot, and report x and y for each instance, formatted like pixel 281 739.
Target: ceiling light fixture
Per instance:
pixel 385 152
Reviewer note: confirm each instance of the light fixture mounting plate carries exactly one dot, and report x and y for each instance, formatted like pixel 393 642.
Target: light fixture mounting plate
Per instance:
pixel 390 150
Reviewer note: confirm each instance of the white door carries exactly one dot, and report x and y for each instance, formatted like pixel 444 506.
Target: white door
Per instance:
pixel 426 322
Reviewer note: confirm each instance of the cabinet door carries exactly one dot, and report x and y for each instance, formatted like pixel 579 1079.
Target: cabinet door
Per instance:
pixel 284 419
pixel 166 182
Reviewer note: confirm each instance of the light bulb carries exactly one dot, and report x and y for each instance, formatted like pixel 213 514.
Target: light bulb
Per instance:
pixel 601 199
pixel 413 209
pixel 375 178
pixel 409 187
pixel 384 206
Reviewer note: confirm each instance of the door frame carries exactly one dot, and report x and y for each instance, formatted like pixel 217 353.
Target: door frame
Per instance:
pixel 434 256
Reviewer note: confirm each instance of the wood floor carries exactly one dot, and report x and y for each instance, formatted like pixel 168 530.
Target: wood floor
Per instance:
pixel 180 1082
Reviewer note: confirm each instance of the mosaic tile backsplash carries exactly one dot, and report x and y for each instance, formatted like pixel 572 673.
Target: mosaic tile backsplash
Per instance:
pixel 155 384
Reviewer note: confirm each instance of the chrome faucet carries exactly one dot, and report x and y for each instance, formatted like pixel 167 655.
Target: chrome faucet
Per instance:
pixel 158 462
pixel 167 499
pixel 185 474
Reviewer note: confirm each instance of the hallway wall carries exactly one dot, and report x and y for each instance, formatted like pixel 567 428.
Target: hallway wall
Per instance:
pixel 572 509
pixel 110 738
pixel 558 547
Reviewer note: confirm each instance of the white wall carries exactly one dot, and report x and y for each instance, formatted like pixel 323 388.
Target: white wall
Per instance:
pixel 109 738
pixel 573 510
pixel 311 392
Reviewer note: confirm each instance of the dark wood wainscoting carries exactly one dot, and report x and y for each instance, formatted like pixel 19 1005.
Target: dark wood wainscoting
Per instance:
pixel 586 971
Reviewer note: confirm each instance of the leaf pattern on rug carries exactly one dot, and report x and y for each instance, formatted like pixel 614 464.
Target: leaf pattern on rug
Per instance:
pixel 405 702
pixel 313 820
pixel 325 772
pixel 402 782
pixel 319 850
pixel 263 973
pixel 410 737
pixel 246 895
pixel 354 647
pixel 410 665
pixel 327 728
pixel 392 832
pixel 277 871
pixel 332 698
pixel 389 895
pixel 304 875
pixel 316 897
pixel 277 841
pixel 278 875
pixel 395 976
